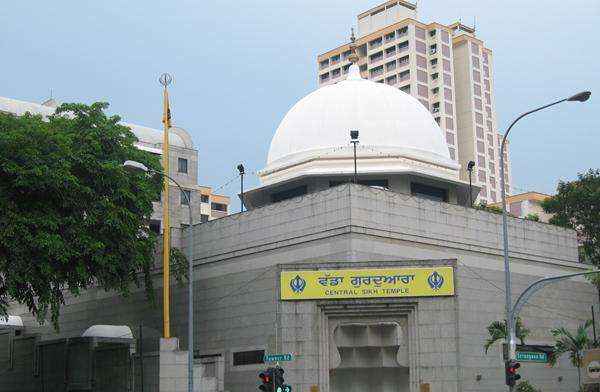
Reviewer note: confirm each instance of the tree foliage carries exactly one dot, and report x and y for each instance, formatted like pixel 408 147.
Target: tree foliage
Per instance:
pixel 72 217
pixel 497 331
pixel 577 205
pixel 572 343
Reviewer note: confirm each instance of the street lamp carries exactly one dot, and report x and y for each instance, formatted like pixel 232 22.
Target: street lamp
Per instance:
pixel 354 140
pixel 134 166
pixel 580 97
pixel 242 171
pixel 470 166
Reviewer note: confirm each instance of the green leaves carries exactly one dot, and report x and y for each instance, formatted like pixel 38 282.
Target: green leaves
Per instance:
pixel 573 344
pixel 72 217
pixel 497 331
pixel 577 205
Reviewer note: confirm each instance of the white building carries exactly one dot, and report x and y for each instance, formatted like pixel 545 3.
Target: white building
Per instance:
pixel 447 68
pixel 387 285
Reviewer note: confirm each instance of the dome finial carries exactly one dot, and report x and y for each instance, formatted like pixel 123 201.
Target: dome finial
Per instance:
pixel 353 57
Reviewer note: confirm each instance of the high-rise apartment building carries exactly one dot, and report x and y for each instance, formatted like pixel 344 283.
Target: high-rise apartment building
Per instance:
pixel 447 68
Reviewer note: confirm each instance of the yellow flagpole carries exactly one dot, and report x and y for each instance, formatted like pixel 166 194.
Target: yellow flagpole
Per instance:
pixel 165 80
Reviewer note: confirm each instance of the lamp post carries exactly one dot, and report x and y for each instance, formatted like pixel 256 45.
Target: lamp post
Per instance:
pixel 470 166
pixel 242 171
pixel 510 336
pixel 140 167
pixel 354 140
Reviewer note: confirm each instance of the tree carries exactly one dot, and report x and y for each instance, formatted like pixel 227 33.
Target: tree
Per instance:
pixel 72 217
pixel 577 205
pixel 525 386
pixel 574 344
pixel 497 331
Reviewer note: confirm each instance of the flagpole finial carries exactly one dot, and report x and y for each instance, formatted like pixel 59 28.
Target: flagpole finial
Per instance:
pixel 165 79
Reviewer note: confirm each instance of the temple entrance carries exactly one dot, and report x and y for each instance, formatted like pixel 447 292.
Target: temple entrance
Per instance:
pixel 369 355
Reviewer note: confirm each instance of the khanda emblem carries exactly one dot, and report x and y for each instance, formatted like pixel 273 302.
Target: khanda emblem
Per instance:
pixel 298 284
pixel 435 280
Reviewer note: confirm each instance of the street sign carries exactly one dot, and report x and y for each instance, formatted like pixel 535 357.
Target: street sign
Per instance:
pixel 591 364
pixel 530 356
pixel 277 357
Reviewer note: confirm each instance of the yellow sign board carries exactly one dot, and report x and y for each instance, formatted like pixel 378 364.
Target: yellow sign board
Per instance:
pixel 367 283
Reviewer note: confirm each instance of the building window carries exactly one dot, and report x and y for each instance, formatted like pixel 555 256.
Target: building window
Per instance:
pixel 474 48
pixel 424 103
pixel 182 195
pixel 445 37
pixel 435 90
pixel 390 37
pixel 446 65
pixel 476 76
pixel 204 198
pixel 402 32
pixel 182 165
pixel 478 118
pixel 485 58
pixel 405 89
pixel 324 77
pixel 403 46
pixel 448 107
pixel 448 80
pixel 478 104
pixel 480 147
pixel 336 73
pixel 432 33
pixel 154 226
pixel 253 357
pixel 450 138
pixel 433 49
pixel 428 192
pixel 475 62
pixel 436 107
pixel 377 71
pixel 390 66
pixel 422 90
pixel 403 61
pixel 419 32
pixel 486 72
pixel 335 59
pixel 392 79
pixel 203 218
pixel 375 43
pixel 479 132
pixel 477 89
pixel 421 61
pixel 452 153
pixel 404 75
pixel 433 63
pixel 445 50
pixel 390 51
pixel 438 120
pixel 434 76
pixel 449 123
pixel 376 57
pixel 324 64
pixel 420 47
pixel 448 94
pixel 218 207
pixel 421 76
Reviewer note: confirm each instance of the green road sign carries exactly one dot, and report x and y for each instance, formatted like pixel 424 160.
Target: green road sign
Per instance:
pixel 530 356
pixel 277 357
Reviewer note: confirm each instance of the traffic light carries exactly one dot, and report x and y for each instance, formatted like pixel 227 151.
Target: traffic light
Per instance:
pixel 267 380
pixel 511 366
pixel 279 382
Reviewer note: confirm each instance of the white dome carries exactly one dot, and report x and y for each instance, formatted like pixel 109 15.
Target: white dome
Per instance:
pixel 389 121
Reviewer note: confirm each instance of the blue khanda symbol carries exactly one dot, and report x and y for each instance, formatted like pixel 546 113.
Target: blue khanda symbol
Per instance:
pixel 435 280
pixel 298 284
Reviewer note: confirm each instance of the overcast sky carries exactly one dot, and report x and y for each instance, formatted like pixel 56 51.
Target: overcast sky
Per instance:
pixel 238 66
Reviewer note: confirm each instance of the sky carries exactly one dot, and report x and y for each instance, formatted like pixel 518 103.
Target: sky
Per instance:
pixel 239 66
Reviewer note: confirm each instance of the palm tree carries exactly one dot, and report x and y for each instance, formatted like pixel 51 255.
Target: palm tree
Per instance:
pixel 574 344
pixel 497 331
